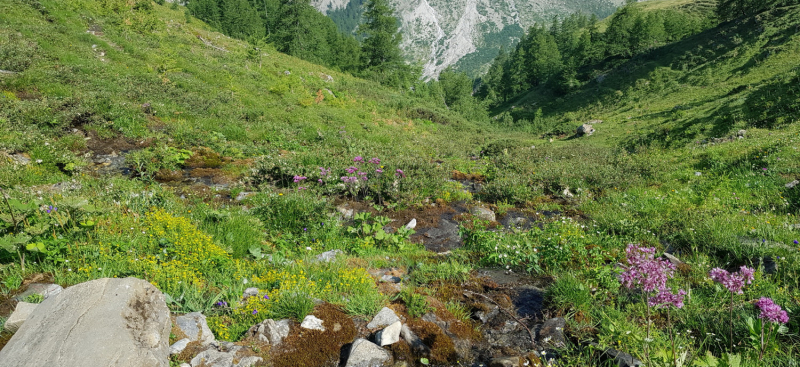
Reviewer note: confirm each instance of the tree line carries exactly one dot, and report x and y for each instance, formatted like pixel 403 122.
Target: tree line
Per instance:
pixel 297 29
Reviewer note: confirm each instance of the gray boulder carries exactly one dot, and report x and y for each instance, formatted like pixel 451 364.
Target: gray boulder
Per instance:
pixel 385 317
pixel 584 130
pixel 46 290
pixel 364 353
pixel 195 327
pixel 622 359
pixel 483 213
pixel 792 184
pixel 328 256
pixel 270 331
pixel 389 335
pixel 213 358
pixel 20 314
pixel 179 346
pixel 551 333
pixel 103 322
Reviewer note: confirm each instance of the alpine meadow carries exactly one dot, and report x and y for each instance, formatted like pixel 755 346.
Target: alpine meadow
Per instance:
pixel 236 183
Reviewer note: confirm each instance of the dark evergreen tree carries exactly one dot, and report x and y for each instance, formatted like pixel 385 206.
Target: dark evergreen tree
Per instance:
pixel 380 51
pixel 240 20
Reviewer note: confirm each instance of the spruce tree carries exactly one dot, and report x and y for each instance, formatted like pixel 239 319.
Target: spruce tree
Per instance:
pixel 380 50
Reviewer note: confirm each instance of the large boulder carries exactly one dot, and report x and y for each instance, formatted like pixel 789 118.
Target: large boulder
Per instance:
pixel 385 317
pixel 20 314
pixel 584 130
pixel 104 322
pixel 364 353
pixel 270 331
pixel 195 327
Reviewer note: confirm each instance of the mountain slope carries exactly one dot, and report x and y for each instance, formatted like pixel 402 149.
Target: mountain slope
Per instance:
pixel 468 33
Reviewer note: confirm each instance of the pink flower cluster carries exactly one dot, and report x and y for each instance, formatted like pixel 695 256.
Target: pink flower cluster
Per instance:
pixel 771 312
pixel 650 274
pixel 299 178
pixel 735 282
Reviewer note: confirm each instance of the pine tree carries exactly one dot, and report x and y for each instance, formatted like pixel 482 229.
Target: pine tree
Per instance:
pixel 380 51
pixel 240 20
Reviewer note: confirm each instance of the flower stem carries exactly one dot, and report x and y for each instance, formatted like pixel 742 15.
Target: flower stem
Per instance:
pixel 730 324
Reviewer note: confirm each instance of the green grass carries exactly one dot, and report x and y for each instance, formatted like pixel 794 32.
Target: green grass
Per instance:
pixel 652 174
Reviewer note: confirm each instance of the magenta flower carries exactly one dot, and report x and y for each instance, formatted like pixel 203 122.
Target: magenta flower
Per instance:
pixel 299 178
pixel 358 159
pixel 352 170
pixel 320 180
pixel 666 298
pixel 324 171
pixel 645 270
pixel 771 311
pixel 379 170
pixel 375 161
pixel 735 282
pixel 302 188
pixel 399 173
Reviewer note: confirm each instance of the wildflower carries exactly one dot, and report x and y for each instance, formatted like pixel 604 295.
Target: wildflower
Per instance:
pixel 796 243
pixel 771 311
pixel 352 170
pixel 399 173
pixel 302 188
pixel 358 159
pixel 299 178
pixel 255 312
pixel 666 298
pixel 319 180
pixel 379 170
pixel 266 296
pixel 375 161
pixel 324 172
pixel 645 270
pixel 734 282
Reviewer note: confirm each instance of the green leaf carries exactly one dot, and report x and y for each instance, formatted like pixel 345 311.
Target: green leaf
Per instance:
pixel 11 243
pixel 36 247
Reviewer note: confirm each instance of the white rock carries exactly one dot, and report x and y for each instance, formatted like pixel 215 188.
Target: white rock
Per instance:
pixel 389 335
pixel 178 346
pixel 311 322
pixel 385 317
pixel 412 224
pixel 103 322
pixel 364 353
pixel 250 292
pixel 213 358
pixel 270 331
pixel 248 361
pixel 20 314
pixel 328 256
pixel 484 213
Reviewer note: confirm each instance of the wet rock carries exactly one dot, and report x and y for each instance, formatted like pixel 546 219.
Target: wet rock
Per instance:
pixel 46 290
pixel 584 130
pixel 270 331
pixel 792 184
pixel 103 322
pixel 195 327
pixel 506 362
pixel 389 335
pixel 328 256
pixel 20 314
pixel 385 317
pixel 364 353
pixel 551 333
pixel 178 346
pixel 621 359
pixel 311 322
pixel 483 213
pixel 412 223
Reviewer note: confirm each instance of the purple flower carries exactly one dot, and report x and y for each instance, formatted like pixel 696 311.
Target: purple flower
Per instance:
pixel 305 229
pixel 324 172
pixel 645 270
pixel 351 170
pixel 771 312
pixel 375 161
pixel 320 180
pixel 796 243
pixel 266 296
pixel 735 282
pixel 764 168
pixel 358 159
pixel 299 178
pixel 255 312
pixel 302 188
pixel 379 170
pixel 399 173
pixel 666 298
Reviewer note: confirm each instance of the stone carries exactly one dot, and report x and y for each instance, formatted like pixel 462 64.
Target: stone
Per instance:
pixel 792 184
pixel 179 346
pixel 347 213
pixel 328 256
pixel 46 290
pixel 249 361
pixel 741 133
pixel 243 195
pixel 364 353
pixel 412 223
pixel 195 327
pixel 184 365
pixel 390 279
pixel 270 331
pixel 483 213
pixel 552 333
pixel 20 314
pixel 415 342
pixel 385 317
pixel 389 335
pixel 325 77
pixel 103 322
pixel 622 359
pixel 506 362
pixel 250 292
pixel 287 72
pixel 584 130
pixel 567 194
pixel 698 174
pixel 311 322
pixel 213 358
pixel 674 260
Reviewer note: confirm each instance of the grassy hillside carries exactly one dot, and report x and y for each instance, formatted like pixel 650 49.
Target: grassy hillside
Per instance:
pixel 137 142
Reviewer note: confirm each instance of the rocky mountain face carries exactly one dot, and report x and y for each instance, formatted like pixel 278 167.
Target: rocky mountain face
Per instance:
pixel 468 33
